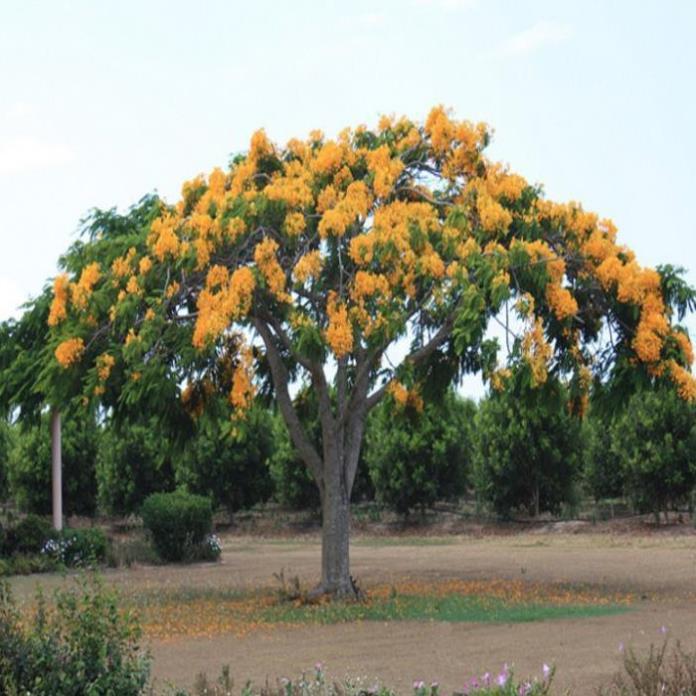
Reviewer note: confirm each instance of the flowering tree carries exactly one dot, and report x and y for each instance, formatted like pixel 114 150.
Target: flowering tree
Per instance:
pixel 368 266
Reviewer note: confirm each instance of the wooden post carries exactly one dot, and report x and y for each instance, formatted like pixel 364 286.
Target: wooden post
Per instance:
pixel 56 470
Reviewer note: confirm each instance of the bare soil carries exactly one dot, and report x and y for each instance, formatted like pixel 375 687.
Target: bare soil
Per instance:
pixel 659 565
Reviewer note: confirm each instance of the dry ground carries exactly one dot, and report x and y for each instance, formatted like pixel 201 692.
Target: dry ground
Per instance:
pixel 660 568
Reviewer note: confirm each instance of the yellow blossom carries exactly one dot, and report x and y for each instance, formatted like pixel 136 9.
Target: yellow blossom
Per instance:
pixel 309 266
pixel 58 310
pixel 69 351
pixel 339 333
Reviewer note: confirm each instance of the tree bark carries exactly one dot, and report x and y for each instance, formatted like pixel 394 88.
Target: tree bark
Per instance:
pixel 335 534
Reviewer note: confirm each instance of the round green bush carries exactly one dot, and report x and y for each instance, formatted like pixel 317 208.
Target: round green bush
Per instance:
pixel 178 522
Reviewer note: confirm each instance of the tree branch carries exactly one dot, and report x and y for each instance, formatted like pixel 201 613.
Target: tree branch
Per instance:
pixel 281 379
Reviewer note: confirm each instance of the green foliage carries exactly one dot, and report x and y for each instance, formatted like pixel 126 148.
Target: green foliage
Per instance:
pixel 603 475
pixel 133 461
pixel 178 522
pixel 27 565
pixel 230 463
pixel 30 465
pixel 415 459
pixel 655 442
pixel 293 484
pixel 28 536
pixel 527 452
pixel 86 647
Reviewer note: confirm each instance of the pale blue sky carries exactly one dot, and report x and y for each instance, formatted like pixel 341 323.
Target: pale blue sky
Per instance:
pixel 101 102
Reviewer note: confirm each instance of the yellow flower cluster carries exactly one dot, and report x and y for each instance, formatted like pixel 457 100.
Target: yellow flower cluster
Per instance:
pixel 561 301
pixel 329 158
pixel 243 390
pixel 355 204
pixel 217 310
pixel 499 378
pixel 267 262
pixel 163 238
pixel 144 265
pixel 339 332
pixel 82 290
pixel 59 304
pixel 536 352
pixel 69 351
pixel 105 363
pixel 404 397
pixel 295 224
pixel 308 266
pixel 293 187
pixel 385 169
pixel 686 384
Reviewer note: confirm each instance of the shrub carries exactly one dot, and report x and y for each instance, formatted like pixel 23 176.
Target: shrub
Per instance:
pixel 77 547
pixel 29 466
pixel 664 670
pixel 178 522
pixel 133 461
pixel 528 448
pixel 26 565
pixel 86 646
pixel 655 442
pixel 28 536
pixel 415 459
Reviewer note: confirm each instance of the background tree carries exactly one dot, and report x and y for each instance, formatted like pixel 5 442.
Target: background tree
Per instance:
pixel 528 447
pixel 655 442
pixel 603 473
pixel 6 441
pixel 29 472
pixel 134 460
pixel 420 453
pixel 321 260
pixel 229 462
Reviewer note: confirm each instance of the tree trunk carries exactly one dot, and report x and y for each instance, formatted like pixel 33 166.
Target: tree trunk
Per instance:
pixel 56 470
pixel 335 539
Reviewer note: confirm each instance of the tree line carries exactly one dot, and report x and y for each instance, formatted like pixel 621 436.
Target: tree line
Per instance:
pixel 517 452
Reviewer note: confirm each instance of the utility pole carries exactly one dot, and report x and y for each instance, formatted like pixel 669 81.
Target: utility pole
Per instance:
pixel 56 470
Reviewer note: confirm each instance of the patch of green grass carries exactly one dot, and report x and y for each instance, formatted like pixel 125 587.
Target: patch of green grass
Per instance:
pixel 451 608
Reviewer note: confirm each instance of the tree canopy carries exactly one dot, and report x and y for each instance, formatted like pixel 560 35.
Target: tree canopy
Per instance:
pixel 313 261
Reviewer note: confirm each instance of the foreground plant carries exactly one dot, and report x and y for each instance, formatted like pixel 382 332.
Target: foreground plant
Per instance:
pixel 312 262
pixel 82 645
pixel 666 670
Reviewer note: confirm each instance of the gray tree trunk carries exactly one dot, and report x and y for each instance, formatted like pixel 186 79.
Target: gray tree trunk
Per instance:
pixel 56 470
pixel 335 532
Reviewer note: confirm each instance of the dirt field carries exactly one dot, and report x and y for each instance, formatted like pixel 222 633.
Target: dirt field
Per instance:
pixel 661 569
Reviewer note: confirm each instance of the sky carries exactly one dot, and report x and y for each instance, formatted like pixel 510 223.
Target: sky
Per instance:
pixel 103 102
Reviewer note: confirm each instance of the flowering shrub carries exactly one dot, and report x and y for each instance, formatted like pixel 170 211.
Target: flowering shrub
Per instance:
pixel 504 685
pixel 76 547
pixel 317 684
